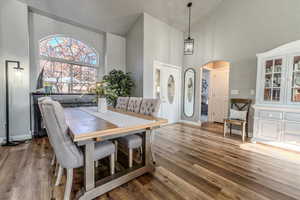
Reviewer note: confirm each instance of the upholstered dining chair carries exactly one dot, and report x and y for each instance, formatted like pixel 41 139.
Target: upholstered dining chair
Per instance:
pixel 40 100
pixel 239 116
pixel 68 154
pixel 122 103
pixel 148 107
pixel 134 104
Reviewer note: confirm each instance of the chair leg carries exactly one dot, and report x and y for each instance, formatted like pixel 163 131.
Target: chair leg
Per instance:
pixel 68 188
pixel 53 160
pixel 230 126
pixel 56 169
pixel 116 152
pixel 112 164
pixel 247 130
pixel 130 155
pixel 243 132
pixel 59 175
pixel 225 128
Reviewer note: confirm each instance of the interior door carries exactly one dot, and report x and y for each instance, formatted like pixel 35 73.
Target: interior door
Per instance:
pixel 219 89
pixel 169 92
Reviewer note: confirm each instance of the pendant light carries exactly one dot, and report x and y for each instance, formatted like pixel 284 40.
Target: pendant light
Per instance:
pixel 189 42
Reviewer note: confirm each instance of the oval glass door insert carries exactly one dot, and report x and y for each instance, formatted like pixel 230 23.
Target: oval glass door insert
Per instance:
pixel 171 89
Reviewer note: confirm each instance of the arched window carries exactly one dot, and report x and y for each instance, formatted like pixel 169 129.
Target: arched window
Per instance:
pixel 69 65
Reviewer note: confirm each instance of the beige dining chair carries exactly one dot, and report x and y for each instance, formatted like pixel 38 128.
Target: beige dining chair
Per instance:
pixel 147 107
pixel 40 100
pixel 68 154
pixel 122 103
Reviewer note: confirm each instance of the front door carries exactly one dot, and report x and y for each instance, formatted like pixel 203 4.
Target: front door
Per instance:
pixel 219 89
pixel 167 87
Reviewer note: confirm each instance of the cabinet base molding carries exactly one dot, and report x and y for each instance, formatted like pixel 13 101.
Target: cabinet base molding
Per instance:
pixel 280 145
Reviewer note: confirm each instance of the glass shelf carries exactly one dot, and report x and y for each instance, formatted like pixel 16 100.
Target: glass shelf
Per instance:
pixel 272 80
pixel 295 95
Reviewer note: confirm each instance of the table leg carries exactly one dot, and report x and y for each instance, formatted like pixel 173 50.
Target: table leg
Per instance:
pixel 151 146
pixel 148 149
pixel 89 170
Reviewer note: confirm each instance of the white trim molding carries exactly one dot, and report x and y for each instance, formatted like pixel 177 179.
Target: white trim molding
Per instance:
pixel 16 138
pixel 191 122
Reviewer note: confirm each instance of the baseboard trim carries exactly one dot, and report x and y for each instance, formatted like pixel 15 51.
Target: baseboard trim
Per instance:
pixel 16 138
pixel 238 132
pixel 190 122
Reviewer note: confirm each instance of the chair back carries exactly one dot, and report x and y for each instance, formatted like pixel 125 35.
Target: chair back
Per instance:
pixel 241 105
pixel 122 103
pixel 134 104
pixel 66 151
pixel 150 107
pixel 40 101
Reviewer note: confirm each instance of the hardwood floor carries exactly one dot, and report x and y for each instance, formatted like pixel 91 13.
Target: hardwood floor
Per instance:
pixel 192 164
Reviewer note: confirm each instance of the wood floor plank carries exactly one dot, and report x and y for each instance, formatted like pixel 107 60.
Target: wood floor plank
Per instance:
pixel 193 163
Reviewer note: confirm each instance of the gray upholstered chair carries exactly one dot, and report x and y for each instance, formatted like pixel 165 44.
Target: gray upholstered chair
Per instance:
pixel 134 104
pixel 68 154
pixel 40 100
pixel 122 103
pixel 148 107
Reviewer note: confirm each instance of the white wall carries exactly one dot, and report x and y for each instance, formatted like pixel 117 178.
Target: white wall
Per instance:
pixel 14 46
pixel 135 55
pixel 42 26
pixel 236 31
pixel 151 40
pixel 115 53
pixel 162 43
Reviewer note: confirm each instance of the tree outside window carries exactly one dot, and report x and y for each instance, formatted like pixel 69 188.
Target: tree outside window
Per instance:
pixel 70 66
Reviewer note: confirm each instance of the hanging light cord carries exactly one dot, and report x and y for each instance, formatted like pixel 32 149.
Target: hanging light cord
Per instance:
pixel 189 6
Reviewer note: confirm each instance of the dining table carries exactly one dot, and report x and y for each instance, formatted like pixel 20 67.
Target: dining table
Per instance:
pixel 88 126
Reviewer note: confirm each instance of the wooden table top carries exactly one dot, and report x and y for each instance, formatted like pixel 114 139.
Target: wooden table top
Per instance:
pixel 85 126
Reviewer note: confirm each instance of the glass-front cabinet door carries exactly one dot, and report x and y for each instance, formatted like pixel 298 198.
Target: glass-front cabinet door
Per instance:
pixel 273 74
pixel 294 80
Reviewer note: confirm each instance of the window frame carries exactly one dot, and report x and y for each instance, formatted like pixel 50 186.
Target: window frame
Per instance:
pixel 69 62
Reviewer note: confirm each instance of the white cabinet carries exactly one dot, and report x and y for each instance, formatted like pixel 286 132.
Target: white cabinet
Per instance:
pixel 277 108
pixel 269 130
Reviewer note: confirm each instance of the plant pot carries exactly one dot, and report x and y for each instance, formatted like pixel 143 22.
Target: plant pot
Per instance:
pixel 102 105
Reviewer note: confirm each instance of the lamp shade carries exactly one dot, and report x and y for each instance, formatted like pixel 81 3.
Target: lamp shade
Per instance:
pixel 188 46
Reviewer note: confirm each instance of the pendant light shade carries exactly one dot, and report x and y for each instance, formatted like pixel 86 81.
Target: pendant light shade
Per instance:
pixel 189 42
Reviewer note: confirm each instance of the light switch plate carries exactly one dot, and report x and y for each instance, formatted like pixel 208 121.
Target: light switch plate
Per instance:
pixel 235 92
pixel 252 92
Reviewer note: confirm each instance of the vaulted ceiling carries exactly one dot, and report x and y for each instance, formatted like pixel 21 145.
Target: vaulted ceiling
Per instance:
pixel 117 16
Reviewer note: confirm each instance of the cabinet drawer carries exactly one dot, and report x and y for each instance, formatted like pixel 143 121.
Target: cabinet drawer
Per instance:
pixel 292 117
pixel 271 115
pixel 269 129
pixel 292 138
pixel 292 128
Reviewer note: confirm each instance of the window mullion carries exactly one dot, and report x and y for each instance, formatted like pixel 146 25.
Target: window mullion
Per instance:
pixel 71 76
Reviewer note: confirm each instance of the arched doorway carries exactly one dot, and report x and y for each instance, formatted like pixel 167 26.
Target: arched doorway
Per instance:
pixel 214 91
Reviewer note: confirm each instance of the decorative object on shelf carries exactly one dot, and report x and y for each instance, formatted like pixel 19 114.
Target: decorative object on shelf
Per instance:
pixel 189 92
pixel 101 93
pixel 18 69
pixel 118 84
pixel 189 42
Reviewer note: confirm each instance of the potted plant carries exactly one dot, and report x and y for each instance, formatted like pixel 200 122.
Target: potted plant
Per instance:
pixel 118 84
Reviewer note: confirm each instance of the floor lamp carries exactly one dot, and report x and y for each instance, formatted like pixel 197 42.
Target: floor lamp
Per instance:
pixel 18 68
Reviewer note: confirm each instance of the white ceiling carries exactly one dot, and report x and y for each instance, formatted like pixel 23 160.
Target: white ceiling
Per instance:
pixel 117 16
